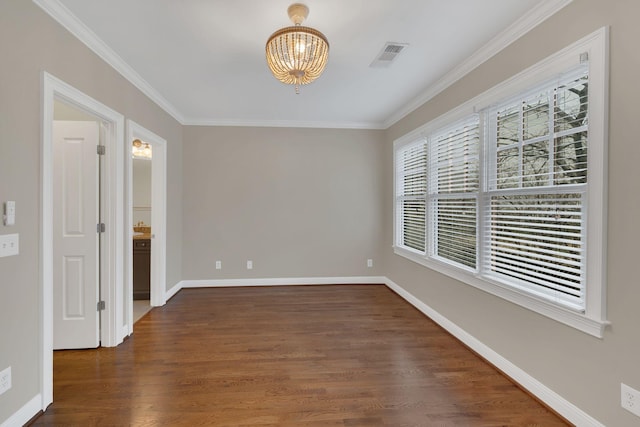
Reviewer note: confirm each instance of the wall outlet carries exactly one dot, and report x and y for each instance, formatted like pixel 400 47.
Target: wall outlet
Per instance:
pixel 630 399
pixel 218 265
pixel 9 245
pixel 369 262
pixel 5 380
pixel 249 265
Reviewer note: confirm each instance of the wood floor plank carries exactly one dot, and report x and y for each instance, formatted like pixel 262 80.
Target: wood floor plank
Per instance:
pixel 348 355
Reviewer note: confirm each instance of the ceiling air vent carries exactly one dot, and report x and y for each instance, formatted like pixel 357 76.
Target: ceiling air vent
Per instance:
pixel 388 54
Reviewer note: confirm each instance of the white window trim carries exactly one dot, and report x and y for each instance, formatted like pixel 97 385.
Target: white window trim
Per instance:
pixel 593 320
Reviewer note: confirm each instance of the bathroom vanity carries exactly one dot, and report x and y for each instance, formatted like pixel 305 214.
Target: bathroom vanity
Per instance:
pixel 141 267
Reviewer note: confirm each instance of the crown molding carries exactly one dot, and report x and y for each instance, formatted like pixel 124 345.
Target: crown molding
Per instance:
pixel 526 23
pixel 69 21
pixel 284 124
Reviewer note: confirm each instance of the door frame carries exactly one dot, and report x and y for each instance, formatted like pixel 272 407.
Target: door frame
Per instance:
pixel 158 220
pixel 112 136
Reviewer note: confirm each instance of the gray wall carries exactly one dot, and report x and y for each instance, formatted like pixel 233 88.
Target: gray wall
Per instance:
pixel 30 42
pixel 305 202
pixel 141 191
pixel 297 202
pixel 584 370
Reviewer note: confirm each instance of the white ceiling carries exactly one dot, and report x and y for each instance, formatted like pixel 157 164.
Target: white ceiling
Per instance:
pixel 203 60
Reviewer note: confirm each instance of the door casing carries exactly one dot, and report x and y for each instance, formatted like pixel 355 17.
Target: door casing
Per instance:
pixel 113 213
pixel 158 220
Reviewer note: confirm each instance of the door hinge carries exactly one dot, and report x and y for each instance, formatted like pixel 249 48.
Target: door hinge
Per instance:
pixel 101 305
pixel 101 150
pixel 100 228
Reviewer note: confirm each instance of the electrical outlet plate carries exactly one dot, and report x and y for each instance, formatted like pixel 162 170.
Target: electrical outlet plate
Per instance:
pixel 218 265
pixel 5 380
pixel 9 245
pixel 630 399
pixel 369 262
pixel 249 265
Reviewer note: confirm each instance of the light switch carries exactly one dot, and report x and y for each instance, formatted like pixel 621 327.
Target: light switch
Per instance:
pixel 9 213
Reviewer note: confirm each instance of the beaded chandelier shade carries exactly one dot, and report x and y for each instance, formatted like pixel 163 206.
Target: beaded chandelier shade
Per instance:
pixel 297 55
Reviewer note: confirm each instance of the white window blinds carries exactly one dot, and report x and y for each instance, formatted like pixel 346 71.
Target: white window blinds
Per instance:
pixel 507 191
pixel 540 138
pixel 411 187
pixel 536 218
pixel 536 241
pixel 519 216
pixel 454 185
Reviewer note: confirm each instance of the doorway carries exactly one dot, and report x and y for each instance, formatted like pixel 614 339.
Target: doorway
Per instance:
pixel 142 158
pixel 112 200
pixel 157 216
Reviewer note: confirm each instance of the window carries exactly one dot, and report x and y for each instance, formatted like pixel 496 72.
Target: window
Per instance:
pixel 505 192
pixel 537 189
pixel 411 167
pixel 453 192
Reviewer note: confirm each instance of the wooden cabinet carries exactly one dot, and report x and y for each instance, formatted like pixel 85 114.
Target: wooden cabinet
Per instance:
pixel 141 268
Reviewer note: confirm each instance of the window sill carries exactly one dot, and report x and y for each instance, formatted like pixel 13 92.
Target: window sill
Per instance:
pixel 580 321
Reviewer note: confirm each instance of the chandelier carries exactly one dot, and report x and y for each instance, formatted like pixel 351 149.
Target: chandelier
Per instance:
pixel 140 150
pixel 297 55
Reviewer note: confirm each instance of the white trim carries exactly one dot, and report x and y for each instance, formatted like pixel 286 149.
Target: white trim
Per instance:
pixel 593 321
pixel 123 330
pixel 288 281
pixel 53 88
pixel 543 69
pixel 158 218
pixel 588 325
pixel 526 23
pixel 60 13
pixel 46 245
pixel 24 414
pixel 284 124
pixel 516 30
pixel 542 392
pixel 565 408
pixel 597 193
pixel 535 387
pixel 171 292
pixel 68 20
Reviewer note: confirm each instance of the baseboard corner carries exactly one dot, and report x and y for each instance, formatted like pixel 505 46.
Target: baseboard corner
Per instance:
pixel 25 414
pixel 549 397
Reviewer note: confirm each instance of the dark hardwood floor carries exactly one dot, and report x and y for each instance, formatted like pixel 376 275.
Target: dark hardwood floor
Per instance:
pixel 349 355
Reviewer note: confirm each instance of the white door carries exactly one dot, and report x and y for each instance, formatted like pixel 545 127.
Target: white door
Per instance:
pixel 75 239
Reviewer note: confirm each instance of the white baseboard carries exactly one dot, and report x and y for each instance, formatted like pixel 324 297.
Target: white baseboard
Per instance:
pixel 171 292
pixel 123 333
pixel 565 408
pixel 24 414
pixel 288 281
pixel 542 392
